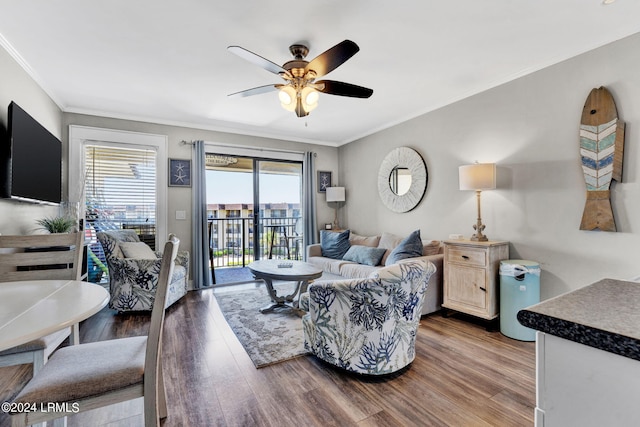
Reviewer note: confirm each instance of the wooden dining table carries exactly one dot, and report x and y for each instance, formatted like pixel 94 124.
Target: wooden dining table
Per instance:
pixel 31 309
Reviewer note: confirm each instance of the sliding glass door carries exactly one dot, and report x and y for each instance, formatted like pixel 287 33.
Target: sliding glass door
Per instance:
pixel 254 212
pixel 279 214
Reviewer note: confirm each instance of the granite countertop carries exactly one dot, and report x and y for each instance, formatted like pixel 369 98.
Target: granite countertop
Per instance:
pixel 604 315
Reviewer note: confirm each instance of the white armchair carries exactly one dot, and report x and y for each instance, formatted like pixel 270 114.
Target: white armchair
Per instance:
pixel 367 325
pixel 133 281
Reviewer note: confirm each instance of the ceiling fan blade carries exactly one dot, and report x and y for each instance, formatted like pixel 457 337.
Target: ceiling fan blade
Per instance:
pixel 255 91
pixel 257 60
pixel 332 58
pixel 333 87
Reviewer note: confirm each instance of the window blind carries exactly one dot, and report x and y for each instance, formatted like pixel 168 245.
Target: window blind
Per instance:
pixel 120 189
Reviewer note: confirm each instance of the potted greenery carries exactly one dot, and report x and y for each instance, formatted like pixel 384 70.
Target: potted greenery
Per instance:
pixel 96 268
pixel 58 224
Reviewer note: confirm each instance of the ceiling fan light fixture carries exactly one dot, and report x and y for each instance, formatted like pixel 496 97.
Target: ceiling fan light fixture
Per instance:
pixel 300 111
pixel 309 99
pixel 300 92
pixel 287 96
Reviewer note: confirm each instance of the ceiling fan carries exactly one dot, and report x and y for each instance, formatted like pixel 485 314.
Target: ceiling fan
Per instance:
pixel 300 91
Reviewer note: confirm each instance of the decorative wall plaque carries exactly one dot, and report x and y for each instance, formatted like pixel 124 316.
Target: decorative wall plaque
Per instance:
pixel 601 149
pixel 179 173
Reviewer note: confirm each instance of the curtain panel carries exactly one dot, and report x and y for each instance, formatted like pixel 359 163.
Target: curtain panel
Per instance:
pixel 199 235
pixel 310 235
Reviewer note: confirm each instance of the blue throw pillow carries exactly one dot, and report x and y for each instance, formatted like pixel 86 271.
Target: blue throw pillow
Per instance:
pixel 410 247
pixel 334 245
pixel 364 255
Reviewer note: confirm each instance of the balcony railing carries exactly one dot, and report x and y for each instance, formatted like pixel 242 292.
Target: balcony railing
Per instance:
pixel 231 240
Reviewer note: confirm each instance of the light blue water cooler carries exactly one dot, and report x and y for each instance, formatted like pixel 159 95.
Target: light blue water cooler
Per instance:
pixel 519 288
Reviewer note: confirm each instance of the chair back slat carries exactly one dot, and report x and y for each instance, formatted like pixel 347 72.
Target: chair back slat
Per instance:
pixel 32 258
pixel 41 256
pixel 154 339
pixel 19 276
pixel 39 240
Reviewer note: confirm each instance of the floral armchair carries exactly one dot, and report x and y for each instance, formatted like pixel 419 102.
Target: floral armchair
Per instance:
pixel 367 325
pixel 133 279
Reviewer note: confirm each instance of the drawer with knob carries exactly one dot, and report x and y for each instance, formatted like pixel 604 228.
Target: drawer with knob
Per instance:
pixel 470 256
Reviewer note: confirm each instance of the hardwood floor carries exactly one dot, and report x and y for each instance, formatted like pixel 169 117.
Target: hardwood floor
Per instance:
pixel 463 375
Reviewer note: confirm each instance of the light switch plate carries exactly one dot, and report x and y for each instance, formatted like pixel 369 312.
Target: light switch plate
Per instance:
pixel 181 214
pixel 456 236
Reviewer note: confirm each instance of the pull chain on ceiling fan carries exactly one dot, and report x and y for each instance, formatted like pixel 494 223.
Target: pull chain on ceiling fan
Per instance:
pixel 300 92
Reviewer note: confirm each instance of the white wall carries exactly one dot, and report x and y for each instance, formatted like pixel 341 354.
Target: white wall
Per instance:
pixel 16 85
pixel 529 127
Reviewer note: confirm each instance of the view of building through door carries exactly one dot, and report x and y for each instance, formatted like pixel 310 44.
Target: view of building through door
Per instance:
pixel 120 193
pixel 254 212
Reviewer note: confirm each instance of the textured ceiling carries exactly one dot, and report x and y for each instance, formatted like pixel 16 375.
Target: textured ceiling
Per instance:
pixel 166 62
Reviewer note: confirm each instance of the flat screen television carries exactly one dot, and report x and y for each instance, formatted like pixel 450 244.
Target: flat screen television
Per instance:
pixel 31 160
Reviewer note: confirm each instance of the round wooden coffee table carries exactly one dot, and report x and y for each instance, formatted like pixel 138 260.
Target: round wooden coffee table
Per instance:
pixel 287 270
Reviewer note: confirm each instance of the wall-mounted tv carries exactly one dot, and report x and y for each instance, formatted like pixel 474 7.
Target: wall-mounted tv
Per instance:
pixel 31 160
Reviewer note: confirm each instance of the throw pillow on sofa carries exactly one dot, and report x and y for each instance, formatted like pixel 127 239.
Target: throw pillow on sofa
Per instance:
pixel 431 247
pixel 358 240
pixel 410 247
pixel 364 255
pixel 334 245
pixel 389 242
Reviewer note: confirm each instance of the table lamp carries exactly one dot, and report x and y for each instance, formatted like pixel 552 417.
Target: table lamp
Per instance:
pixel 335 195
pixel 478 177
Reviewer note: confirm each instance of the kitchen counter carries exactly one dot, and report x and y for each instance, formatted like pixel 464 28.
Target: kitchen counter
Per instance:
pixel 604 315
pixel 587 353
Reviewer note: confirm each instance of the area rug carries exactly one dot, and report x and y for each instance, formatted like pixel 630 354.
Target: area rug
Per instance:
pixel 267 338
pixel 233 275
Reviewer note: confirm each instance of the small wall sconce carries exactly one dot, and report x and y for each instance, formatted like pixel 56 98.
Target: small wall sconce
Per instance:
pixel 478 177
pixel 335 195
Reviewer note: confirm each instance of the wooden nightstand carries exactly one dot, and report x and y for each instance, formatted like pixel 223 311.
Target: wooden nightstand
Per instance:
pixel 471 276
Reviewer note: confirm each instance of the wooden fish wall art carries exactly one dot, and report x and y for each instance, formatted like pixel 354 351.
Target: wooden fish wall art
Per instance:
pixel 601 149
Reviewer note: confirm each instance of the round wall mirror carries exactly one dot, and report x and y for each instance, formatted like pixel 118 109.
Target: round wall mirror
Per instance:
pixel 402 179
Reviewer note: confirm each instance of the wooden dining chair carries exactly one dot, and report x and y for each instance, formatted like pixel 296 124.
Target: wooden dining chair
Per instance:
pixel 40 257
pixel 88 376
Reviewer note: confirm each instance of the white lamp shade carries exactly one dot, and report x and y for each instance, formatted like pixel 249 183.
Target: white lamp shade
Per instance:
pixel 479 176
pixel 287 96
pixel 335 194
pixel 309 99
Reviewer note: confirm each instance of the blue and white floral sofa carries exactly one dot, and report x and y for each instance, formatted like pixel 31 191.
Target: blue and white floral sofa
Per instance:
pixel 367 325
pixel 335 266
pixel 134 270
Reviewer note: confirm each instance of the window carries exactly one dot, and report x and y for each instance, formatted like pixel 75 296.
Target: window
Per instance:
pixel 138 208
pixel 120 189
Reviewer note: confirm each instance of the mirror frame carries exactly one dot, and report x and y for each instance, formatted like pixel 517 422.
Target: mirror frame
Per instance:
pixel 404 157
